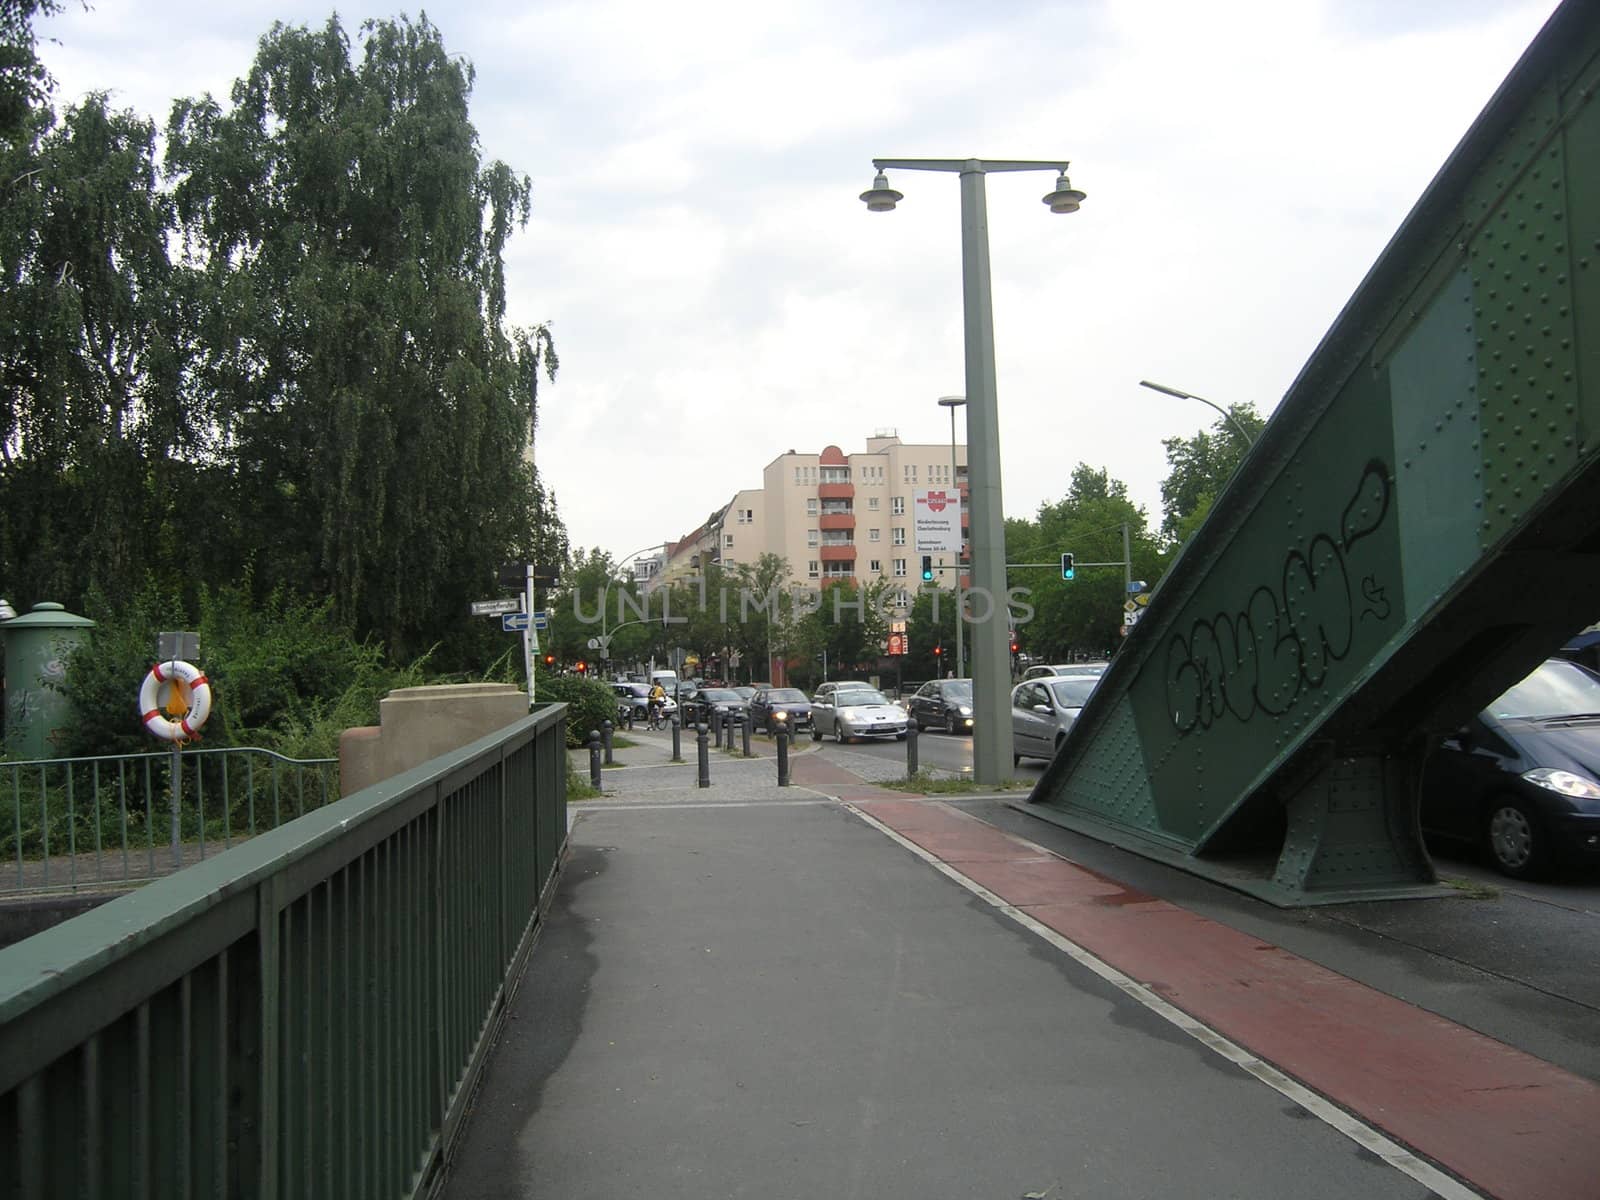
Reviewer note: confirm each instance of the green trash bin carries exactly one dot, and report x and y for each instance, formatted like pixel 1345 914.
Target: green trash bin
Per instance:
pixel 37 646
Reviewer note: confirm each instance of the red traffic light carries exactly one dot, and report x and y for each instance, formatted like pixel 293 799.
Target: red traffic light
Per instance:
pixel 580 667
pixel 937 650
pixel 549 660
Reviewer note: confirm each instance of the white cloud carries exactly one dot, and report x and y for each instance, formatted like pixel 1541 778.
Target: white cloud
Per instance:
pixel 719 296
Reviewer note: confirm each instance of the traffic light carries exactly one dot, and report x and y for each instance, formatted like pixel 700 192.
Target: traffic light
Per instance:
pixel 549 660
pixel 1066 566
pixel 937 651
pixel 1013 643
pixel 927 566
pixel 581 668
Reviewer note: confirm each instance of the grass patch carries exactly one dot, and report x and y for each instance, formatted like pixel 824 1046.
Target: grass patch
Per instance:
pixel 578 788
pixel 1471 888
pixel 941 785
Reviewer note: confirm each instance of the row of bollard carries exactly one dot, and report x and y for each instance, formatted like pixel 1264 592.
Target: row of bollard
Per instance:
pixel 600 744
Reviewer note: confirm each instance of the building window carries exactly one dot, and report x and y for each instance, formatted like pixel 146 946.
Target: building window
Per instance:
pixel 797 477
pixel 899 535
pixel 897 506
pixel 872 504
pixel 899 568
pixel 811 569
pixel 875 565
pixel 747 516
pixel 911 472
pixel 811 506
pixel 902 599
pixel 811 537
pixel 727 539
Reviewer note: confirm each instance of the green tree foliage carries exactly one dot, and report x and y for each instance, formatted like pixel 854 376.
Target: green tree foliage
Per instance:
pixel 101 459
pixel 1200 467
pixel 24 83
pixel 347 246
pixel 1081 618
pixel 592 701
pixel 286 673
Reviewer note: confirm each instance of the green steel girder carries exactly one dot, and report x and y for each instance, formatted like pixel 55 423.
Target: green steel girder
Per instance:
pixel 1412 532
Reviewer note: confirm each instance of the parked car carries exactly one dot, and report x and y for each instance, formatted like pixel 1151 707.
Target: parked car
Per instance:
pixel 851 711
pixel 1043 710
pixel 699 704
pixel 946 703
pixel 745 691
pixel 1522 778
pixel 772 707
pixel 637 695
pixel 1065 669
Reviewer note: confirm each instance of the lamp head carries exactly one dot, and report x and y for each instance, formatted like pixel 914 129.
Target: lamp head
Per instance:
pixel 952 401
pixel 1065 198
pixel 880 197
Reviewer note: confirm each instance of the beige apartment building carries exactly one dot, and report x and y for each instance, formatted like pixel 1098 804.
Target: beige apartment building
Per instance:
pixel 833 516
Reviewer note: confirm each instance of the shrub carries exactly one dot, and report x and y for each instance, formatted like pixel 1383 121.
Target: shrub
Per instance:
pixel 591 702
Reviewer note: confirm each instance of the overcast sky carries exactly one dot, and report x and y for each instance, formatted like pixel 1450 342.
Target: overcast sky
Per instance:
pixel 719 295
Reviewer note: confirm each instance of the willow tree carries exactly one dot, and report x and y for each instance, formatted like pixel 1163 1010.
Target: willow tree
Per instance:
pixel 347 239
pixel 97 448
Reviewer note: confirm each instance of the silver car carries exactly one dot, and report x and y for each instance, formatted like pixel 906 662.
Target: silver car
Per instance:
pixel 1095 669
pixel 1043 710
pixel 855 712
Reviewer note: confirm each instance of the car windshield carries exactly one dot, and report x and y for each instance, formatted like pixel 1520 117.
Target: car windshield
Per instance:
pixel 858 698
pixel 785 696
pixel 1072 693
pixel 957 689
pixel 1556 689
pixel 719 695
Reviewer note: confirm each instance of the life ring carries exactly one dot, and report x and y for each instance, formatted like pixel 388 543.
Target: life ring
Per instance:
pixel 176 671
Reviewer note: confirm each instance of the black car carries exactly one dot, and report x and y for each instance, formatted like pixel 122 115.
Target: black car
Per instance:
pixel 780 706
pixel 699 704
pixel 946 703
pixel 1522 779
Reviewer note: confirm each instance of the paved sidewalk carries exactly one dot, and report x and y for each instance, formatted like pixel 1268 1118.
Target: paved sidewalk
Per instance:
pixel 834 990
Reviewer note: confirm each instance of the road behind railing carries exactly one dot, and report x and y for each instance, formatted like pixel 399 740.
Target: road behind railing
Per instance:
pixel 304 1014
pixel 75 824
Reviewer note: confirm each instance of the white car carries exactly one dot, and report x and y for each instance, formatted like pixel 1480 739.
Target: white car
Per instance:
pixel 855 711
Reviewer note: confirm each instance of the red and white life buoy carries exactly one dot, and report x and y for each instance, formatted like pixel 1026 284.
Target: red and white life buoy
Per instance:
pixel 199 689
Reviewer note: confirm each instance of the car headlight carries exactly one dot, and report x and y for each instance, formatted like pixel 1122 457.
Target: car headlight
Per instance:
pixel 1565 782
pixel 780 716
pixel 965 710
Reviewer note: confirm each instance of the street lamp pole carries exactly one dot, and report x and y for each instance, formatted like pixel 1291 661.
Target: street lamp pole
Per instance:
pixel 953 403
pixel 1183 395
pixel 991 742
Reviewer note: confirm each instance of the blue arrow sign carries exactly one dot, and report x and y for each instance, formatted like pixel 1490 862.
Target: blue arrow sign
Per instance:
pixel 541 619
pixel 513 622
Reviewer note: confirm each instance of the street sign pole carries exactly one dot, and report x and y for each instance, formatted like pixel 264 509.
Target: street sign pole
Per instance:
pixel 530 637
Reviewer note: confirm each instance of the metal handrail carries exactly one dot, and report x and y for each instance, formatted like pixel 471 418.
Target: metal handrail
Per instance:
pixel 90 823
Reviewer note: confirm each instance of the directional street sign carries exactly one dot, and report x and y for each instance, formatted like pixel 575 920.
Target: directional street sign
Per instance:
pixel 1130 618
pixel 1137 585
pixel 495 608
pixel 514 622
pixel 541 620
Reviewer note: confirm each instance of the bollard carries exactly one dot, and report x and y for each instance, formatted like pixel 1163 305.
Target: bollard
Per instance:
pixel 677 746
pixel 705 757
pixel 605 740
pixel 727 734
pixel 716 726
pixel 911 749
pixel 783 757
pixel 745 729
pixel 594 758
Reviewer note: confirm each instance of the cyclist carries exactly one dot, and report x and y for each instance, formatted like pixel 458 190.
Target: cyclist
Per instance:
pixel 657 705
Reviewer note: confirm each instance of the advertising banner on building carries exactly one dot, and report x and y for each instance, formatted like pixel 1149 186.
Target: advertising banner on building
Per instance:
pixel 937 513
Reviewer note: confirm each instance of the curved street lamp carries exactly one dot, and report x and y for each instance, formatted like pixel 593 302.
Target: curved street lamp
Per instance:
pixel 991 647
pixel 1183 395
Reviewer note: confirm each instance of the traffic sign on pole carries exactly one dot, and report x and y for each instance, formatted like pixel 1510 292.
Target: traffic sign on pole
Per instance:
pixel 495 608
pixel 514 622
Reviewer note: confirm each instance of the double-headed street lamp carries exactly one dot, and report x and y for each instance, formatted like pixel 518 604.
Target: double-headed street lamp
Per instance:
pixel 991 649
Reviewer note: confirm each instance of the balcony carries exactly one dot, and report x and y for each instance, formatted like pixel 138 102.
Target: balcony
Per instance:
pixel 836 521
pixel 829 554
pixel 836 491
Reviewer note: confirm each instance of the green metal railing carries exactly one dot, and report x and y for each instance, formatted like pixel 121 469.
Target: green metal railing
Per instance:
pixel 87 823
pixel 303 1015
